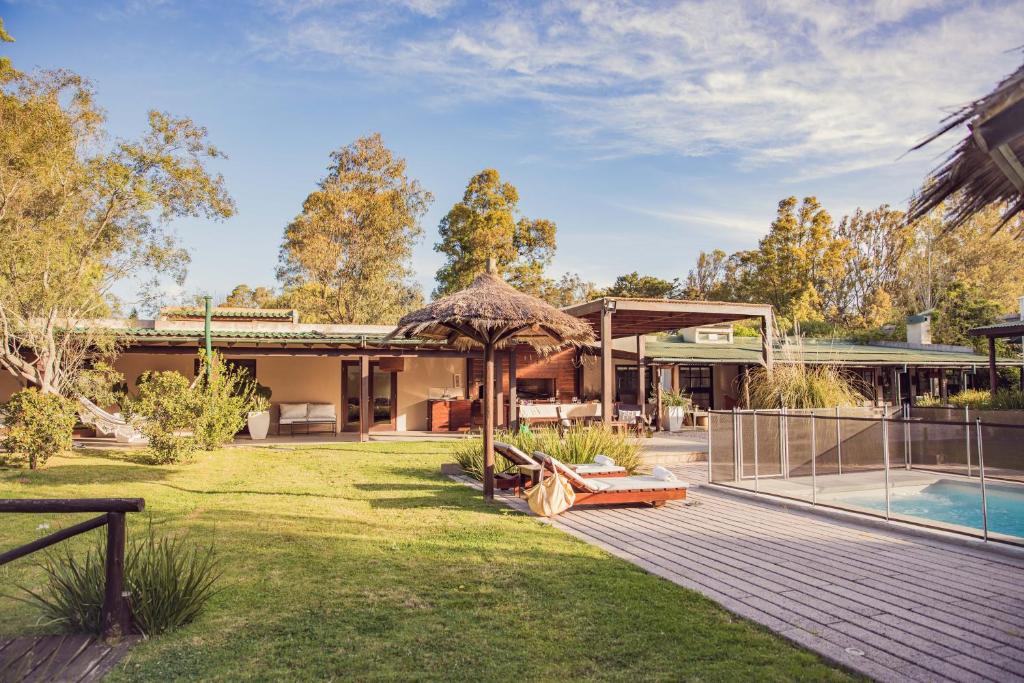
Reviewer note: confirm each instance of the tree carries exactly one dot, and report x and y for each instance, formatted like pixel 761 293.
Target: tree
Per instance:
pixel 244 296
pixel 484 225
pixel 961 308
pixel 78 215
pixel 875 247
pixel 568 290
pixel 644 287
pixel 798 263
pixel 344 259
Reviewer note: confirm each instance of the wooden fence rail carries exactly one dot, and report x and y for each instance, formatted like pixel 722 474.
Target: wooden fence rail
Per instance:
pixel 116 612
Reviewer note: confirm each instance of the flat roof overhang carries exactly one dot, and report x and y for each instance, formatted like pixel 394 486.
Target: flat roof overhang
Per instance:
pixel 1012 328
pixel 631 317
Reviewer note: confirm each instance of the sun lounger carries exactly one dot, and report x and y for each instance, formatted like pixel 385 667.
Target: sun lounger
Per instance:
pixel 604 468
pixel 617 490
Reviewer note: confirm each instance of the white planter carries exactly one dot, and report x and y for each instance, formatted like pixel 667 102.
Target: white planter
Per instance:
pixel 675 417
pixel 259 423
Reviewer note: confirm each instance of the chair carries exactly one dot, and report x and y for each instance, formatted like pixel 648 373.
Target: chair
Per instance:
pixel 618 490
pixel 521 459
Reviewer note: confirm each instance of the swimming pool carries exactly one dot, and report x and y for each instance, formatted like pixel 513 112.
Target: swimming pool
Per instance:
pixel 948 501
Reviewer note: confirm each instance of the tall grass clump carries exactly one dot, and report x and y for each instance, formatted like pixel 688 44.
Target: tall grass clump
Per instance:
pixel 795 385
pixel 579 445
pixel 169 580
pixel 981 399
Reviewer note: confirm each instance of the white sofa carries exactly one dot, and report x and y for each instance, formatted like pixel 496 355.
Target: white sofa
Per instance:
pixel 307 414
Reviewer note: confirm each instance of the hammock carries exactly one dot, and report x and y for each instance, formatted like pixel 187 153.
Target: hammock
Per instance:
pixel 108 424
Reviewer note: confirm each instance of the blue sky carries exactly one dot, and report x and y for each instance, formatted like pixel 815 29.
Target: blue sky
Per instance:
pixel 646 131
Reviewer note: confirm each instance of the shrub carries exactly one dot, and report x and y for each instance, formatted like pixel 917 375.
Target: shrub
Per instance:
pixel 101 384
pixel 980 399
pixel 928 401
pixel 795 385
pixel 677 399
pixel 170 412
pixel 169 581
pixel 579 445
pixel 38 425
pixel 224 396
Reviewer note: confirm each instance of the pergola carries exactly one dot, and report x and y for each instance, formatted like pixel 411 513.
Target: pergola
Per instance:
pixel 1004 330
pixel 617 317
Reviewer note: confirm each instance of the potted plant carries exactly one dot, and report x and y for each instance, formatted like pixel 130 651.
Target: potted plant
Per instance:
pixel 676 404
pixel 259 413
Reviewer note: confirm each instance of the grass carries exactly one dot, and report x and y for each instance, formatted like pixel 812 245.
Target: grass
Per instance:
pixel 361 561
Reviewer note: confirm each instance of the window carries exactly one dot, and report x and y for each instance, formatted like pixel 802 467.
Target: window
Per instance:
pixel 695 380
pixel 535 388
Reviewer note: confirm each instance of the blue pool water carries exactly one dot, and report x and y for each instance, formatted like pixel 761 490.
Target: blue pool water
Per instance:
pixel 950 502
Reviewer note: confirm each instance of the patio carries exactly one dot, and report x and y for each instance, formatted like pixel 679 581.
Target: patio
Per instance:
pixel 887 605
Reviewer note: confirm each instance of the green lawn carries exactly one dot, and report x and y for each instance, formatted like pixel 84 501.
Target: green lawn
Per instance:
pixel 362 561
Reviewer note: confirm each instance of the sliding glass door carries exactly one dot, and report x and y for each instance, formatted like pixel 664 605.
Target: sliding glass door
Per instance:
pixel 383 393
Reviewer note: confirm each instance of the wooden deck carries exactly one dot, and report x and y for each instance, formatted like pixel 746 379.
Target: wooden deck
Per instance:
pixel 68 658
pixel 891 606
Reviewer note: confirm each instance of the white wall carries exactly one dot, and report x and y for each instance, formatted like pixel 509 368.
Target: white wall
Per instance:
pixel 414 385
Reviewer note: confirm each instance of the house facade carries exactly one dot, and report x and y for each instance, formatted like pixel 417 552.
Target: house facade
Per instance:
pixel 421 386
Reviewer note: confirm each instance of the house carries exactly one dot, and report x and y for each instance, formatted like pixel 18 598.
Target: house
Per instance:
pixel 419 385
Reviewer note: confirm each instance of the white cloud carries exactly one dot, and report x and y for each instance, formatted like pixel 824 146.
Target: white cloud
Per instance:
pixel 823 87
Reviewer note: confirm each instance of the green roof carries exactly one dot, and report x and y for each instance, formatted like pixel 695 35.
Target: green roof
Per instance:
pixel 1010 327
pixel 747 350
pixel 281 336
pixel 229 313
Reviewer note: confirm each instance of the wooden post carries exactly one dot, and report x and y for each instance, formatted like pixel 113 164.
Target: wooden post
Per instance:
pixel 912 386
pixel 993 376
pixel 513 409
pixel 488 421
pixel 116 617
pixel 746 386
pixel 657 393
pixel 675 378
pixel 607 370
pixel 876 379
pixel 499 390
pixel 943 386
pixel 767 350
pixel 364 398
pixel 641 374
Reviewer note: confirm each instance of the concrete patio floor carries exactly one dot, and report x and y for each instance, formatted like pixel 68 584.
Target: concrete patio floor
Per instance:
pixel 888 605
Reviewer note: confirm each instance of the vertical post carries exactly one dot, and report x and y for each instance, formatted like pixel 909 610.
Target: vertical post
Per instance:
pixel 993 376
pixel 782 444
pixel 364 397
pixel 641 374
pixel 912 385
pixel 876 378
pixel 662 427
pixel 116 617
pixel 814 459
pixel 839 441
pixel 943 386
pixel 896 391
pixel 737 465
pixel 711 420
pixel 885 462
pixel 499 389
pixel 513 398
pixel 981 475
pixel 207 335
pixel 488 421
pixel 607 371
pixel 766 342
pixel 967 437
pixel 755 452
pixel 746 386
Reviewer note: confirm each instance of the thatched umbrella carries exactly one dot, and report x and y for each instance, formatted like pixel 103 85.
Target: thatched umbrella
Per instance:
pixel 490 313
pixel 988 165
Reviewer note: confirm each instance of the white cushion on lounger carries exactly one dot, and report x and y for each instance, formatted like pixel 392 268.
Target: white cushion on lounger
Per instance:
pixel 601 459
pixel 663 473
pixel 567 472
pixel 321 411
pixel 293 411
pixel 638 483
pixel 592 468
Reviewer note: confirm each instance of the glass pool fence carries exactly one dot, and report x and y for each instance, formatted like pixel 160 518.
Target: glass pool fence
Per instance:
pixel 962 473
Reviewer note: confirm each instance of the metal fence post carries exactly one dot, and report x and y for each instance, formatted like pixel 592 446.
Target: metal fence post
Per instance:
pixel 783 444
pixel 755 451
pixel 981 474
pixel 711 430
pixel 839 441
pixel 885 462
pixel 737 466
pixel 967 437
pixel 814 459
pixel 739 446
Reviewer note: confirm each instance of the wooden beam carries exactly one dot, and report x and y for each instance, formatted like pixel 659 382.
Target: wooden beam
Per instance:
pixel 513 409
pixel 488 421
pixel 641 374
pixel 767 348
pixel 607 369
pixel 499 390
pixel 364 398
pixel 993 376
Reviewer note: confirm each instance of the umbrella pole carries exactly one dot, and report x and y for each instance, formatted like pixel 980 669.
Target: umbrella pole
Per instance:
pixel 488 421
